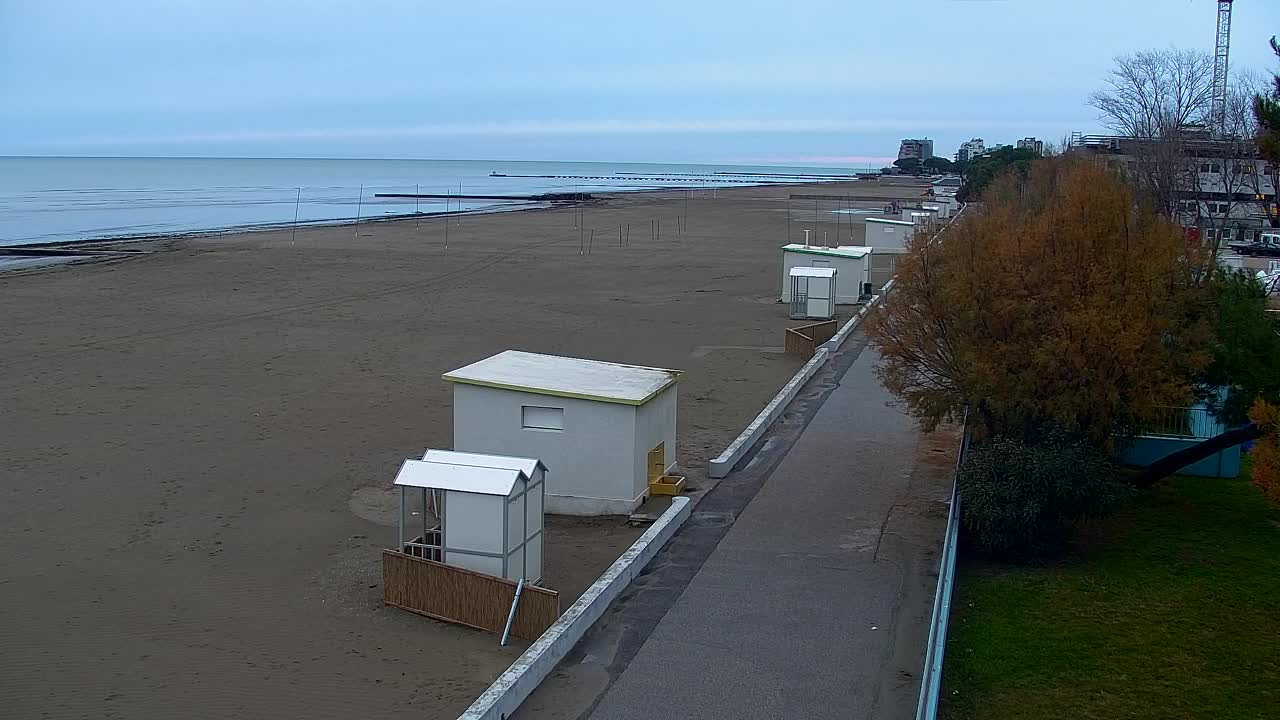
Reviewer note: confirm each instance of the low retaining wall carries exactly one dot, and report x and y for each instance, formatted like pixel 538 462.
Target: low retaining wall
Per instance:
pixel 466 597
pixel 522 678
pixel 722 464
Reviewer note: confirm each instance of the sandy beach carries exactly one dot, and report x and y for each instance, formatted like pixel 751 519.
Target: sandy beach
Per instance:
pixel 197 444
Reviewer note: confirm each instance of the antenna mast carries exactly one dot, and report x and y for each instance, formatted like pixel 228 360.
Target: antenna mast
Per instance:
pixel 1220 54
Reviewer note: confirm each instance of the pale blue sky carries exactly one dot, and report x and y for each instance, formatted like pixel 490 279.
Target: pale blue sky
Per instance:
pixel 836 82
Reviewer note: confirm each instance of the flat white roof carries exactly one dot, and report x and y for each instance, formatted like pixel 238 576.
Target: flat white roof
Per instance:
pixel 566 377
pixel 849 251
pixel 503 462
pixel 891 222
pixel 813 272
pixel 459 478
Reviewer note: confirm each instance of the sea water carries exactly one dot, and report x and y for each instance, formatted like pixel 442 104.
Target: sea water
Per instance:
pixel 53 199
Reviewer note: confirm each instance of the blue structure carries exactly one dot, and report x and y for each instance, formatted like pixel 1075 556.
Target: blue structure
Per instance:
pixel 1180 428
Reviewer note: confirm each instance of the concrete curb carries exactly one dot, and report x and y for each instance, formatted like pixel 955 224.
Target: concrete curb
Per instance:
pixel 530 669
pixel 723 463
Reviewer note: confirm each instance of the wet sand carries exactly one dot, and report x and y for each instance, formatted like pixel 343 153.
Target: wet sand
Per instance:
pixel 195 445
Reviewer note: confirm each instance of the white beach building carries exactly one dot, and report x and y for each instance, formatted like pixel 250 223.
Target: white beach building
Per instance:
pixel 852 264
pixel 887 235
pixel 487 512
pixel 604 429
pixel 813 293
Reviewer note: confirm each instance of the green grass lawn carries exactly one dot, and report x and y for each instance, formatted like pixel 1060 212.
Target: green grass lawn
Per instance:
pixel 1171 610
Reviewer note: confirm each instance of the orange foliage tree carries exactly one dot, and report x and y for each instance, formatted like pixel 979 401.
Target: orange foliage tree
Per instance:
pixel 1058 302
pixel 1266 449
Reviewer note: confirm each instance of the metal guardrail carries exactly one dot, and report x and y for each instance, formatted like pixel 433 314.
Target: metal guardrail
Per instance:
pixel 931 680
pixel 936 651
pixel 1184 422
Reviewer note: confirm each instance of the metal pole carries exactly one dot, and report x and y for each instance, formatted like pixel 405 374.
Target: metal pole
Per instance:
pixel 446 221
pixel 511 616
pixel 424 516
pixel 415 198
pixel 359 206
pixel 296 204
pixel 788 220
pixel 400 547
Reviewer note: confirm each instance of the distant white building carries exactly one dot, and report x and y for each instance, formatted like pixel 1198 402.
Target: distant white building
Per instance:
pixel 1030 143
pixel 970 149
pixel 921 149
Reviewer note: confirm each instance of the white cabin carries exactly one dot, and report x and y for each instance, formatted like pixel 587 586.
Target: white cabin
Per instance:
pixel 813 293
pixel 479 512
pixel 605 428
pixel 852 264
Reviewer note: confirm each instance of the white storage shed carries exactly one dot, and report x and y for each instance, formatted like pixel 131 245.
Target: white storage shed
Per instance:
pixel 488 512
pixel 813 293
pixel 607 429
pixel 852 264
pixel 888 235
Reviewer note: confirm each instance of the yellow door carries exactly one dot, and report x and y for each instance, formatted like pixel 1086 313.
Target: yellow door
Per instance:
pixel 657 462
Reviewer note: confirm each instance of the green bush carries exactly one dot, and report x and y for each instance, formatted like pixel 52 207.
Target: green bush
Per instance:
pixel 1022 501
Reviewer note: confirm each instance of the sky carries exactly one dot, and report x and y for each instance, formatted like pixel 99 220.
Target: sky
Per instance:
pixel 808 82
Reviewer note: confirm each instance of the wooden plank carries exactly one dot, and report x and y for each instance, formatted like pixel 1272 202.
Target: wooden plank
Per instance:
pixel 465 597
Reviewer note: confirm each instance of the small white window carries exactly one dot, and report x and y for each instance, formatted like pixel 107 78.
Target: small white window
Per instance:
pixel 533 417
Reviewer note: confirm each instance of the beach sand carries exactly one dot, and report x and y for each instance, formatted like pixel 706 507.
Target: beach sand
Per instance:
pixel 196 445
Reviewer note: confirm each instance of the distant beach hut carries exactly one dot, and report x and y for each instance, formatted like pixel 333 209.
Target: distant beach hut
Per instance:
pixel 888 235
pixel 607 429
pixel 851 262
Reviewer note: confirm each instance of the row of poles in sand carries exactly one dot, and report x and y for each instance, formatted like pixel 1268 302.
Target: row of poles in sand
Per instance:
pixel 843 206
pixel 585 241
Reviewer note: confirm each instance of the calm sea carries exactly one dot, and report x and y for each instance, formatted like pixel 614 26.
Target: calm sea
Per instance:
pixel 56 199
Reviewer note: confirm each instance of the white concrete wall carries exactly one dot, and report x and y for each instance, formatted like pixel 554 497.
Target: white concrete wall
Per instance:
pixel 850 273
pixel 534 521
pixel 887 236
pixel 589 463
pixel 473 522
pixel 655 423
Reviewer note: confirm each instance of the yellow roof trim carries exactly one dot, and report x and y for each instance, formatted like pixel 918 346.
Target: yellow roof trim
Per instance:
pixel 675 377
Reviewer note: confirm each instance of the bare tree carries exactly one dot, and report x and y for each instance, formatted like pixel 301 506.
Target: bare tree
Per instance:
pixel 1159 101
pixel 1156 93
pixel 1234 178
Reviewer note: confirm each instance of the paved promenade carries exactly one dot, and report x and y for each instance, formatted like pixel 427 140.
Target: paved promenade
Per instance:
pixel 813 603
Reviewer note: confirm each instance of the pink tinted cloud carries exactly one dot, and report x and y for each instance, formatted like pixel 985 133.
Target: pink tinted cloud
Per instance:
pixel 830 160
